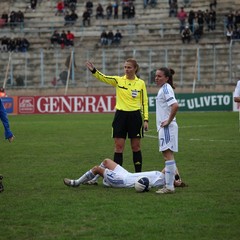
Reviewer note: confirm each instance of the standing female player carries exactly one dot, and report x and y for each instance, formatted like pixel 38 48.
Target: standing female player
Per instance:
pixel 166 109
pixel 131 115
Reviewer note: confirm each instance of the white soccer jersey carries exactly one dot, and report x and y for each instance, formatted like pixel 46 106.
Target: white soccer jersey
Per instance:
pixel 237 90
pixel 121 178
pixel 165 98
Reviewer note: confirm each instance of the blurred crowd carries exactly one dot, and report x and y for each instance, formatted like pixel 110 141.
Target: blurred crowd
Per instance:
pixel 17 44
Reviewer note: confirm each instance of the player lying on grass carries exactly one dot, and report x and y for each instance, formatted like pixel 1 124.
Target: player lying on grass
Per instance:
pixel 116 176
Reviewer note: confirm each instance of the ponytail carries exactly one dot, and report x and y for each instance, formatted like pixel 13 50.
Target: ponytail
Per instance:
pixel 168 72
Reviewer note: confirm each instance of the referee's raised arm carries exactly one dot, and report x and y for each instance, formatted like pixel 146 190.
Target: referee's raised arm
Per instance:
pixel 90 66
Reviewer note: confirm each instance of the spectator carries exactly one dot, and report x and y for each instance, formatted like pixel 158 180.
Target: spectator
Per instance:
pixel 86 17
pixel 11 45
pixel 20 16
pixel 182 16
pixel 236 34
pixel 213 4
pixel 200 20
pixel 55 38
pixel 33 4
pixel 230 19
pixel 237 20
pixel 4 18
pixel 72 5
pixel 19 81
pixel 186 34
pixel 131 10
pixel 110 37
pixel 70 38
pixel 73 17
pixel 212 19
pixel 191 17
pixel 63 39
pixel 115 9
pixel 24 45
pixel 125 11
pixel 67 18
pixel 4 44
pixel 117 37
pixel 60 8
pixel 197 34
pixel 99 11
pixel 13 19
pixel 109 10
pixel 89 7
pixel 207 19
pixel 173 7
pixel 229 34
pixel 103 38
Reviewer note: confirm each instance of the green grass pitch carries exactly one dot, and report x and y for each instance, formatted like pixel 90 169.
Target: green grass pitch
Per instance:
pixel 37 205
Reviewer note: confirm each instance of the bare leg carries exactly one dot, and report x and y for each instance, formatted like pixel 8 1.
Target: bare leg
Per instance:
pixel 107 163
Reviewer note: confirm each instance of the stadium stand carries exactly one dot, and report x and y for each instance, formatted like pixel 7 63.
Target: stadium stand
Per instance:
pixel 151 34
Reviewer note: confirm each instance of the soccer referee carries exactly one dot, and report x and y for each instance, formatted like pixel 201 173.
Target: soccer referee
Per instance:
pixel 131 116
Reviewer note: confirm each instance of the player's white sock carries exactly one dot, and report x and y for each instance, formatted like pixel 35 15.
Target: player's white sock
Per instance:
pixel 170 168
pixel 85 177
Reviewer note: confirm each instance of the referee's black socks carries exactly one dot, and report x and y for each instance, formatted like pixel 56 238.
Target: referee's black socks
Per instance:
pixel 118 158
pixel 137 161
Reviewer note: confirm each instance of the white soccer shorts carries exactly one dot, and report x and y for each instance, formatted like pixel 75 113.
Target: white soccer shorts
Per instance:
pixel 168 137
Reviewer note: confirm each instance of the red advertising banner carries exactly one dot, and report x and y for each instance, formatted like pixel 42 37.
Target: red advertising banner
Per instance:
pixel 66 104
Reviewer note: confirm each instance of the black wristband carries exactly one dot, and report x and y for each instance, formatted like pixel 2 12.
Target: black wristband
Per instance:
pixel 146 121
pixel 94 70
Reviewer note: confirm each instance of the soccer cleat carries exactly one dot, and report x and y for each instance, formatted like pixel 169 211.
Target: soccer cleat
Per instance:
pixel 1 185
pixel 70 183
pixel 91 182
pixel 165 190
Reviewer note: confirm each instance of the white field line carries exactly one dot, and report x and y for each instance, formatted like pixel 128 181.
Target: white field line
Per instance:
pixel 197 126
pixel 195 139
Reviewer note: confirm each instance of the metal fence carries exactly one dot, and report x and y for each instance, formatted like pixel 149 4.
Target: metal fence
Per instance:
pixel 53 68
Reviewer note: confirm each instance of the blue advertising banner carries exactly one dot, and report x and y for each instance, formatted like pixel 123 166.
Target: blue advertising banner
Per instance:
pixel 8 103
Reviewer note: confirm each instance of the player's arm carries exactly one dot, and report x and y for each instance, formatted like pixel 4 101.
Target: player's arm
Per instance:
pixel 236 99
pixel 112 80
pixel 174 109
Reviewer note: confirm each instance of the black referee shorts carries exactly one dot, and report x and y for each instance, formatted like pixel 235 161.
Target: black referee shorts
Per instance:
pixel 127 124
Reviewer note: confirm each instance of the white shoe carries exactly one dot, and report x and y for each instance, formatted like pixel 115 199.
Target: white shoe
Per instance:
pixel 91 182
pixel 70 183
pixel 165 190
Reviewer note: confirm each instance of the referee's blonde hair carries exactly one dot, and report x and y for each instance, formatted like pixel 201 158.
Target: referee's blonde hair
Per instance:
pixel 134 63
